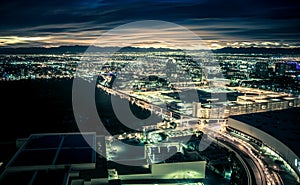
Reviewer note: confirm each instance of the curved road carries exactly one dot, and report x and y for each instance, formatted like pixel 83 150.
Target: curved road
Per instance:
pixel 256 172
pixel 261 176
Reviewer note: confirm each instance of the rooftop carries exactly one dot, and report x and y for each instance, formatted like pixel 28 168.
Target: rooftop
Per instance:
pixel 55 150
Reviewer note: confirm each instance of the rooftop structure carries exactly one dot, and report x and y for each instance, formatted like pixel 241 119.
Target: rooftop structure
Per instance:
pixel 52 159
pixel 78 159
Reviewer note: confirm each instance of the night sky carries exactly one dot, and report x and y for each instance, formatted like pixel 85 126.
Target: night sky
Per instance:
pixel 219 23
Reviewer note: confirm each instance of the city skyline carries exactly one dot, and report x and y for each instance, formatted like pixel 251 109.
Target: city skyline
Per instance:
pixel 112 92
pixel 246 128
pixel 218 23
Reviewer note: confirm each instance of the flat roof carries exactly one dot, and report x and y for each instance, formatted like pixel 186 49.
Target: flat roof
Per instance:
pixel 215 90
pixel 56 149
pixel 126 151
pixel 281 124
pixel 44 177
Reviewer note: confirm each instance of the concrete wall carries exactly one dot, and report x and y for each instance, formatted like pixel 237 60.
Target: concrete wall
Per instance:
pixel 180 170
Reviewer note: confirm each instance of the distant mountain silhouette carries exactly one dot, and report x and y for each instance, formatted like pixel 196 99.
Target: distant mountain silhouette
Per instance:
pixel 259 50
pixel 82 49
pixel 42 50
pixel 77 49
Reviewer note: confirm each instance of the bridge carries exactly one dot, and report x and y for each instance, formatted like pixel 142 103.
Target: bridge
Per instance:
pixel 255 169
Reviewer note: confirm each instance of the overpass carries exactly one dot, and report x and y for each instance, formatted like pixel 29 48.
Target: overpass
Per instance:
pixel 243 151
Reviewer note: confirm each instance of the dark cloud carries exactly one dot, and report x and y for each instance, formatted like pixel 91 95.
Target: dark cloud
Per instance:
pixel 248 19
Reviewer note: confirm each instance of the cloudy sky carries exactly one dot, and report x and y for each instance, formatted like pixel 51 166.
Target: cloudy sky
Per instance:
pixel 219 23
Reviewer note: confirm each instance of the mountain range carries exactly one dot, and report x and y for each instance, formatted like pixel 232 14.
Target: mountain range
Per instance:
pixel 82 49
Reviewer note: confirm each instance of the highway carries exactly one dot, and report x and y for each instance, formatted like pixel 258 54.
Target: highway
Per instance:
pixel 255 170
pixel 261 174
pixel 250 175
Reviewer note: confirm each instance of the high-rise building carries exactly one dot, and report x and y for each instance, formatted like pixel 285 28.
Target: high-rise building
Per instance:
pixel 261 70
pixel 282 68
